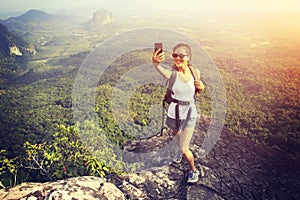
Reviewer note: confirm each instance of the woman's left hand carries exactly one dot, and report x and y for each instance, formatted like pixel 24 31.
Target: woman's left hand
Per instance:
pixel 199 85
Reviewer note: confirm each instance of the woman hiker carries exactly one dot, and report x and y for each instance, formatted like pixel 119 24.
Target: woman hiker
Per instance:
pixel 182 112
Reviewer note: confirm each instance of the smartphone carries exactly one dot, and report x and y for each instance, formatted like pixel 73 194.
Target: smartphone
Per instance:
pixel 158 46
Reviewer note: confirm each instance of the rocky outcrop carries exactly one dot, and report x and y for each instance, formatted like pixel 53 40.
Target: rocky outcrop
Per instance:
pixel 11 44
pixel 101 18
pixel 236 168
pixel 15 50
pixel 74 188
pixel 31 50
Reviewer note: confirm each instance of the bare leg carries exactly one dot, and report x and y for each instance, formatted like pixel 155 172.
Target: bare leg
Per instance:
pixel 190 158
pixel 184 139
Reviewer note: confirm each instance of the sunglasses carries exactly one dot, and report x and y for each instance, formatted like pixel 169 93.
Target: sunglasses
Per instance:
pixel 175 55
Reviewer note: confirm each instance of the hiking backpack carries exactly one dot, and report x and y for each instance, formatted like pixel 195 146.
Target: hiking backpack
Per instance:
pixel 169 99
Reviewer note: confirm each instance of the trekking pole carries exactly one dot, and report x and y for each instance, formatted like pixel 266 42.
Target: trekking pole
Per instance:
pixel 163 118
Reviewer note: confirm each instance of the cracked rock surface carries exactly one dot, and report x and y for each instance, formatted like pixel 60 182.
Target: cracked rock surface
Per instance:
pixel 236 168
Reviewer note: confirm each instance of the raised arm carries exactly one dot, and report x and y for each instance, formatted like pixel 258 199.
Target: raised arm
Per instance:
pixel 156 60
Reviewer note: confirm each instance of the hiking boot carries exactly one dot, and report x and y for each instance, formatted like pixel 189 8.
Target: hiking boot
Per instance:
pixel 193 176
pixel 178 158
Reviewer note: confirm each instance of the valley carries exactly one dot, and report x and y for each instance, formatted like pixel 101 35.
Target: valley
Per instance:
pixel 258 58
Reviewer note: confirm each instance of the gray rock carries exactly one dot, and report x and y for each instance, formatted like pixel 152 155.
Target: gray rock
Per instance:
pixel 236 168
pixel 87 187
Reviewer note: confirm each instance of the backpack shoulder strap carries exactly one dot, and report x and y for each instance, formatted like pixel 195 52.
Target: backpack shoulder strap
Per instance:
pixel 172 79
pixel 194 72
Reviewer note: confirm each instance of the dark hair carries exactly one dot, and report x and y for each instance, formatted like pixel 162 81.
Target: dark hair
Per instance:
pixel 186 47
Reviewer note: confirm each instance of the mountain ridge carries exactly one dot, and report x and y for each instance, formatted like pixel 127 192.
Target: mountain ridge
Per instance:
pixel 31 21
pixel 33 16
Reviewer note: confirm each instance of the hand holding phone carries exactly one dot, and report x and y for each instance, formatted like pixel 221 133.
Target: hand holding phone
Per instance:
pixel 158 46
pixel 158 56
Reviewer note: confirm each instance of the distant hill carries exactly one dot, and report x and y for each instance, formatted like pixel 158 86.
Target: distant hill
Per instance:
pixel 36 20
pixel 33 16
pixel 29 21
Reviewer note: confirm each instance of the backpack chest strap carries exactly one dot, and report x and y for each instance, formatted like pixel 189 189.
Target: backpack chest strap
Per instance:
pixel 183 103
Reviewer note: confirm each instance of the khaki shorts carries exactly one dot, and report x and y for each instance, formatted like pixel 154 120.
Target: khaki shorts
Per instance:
pixel 185 135
pixel 189 124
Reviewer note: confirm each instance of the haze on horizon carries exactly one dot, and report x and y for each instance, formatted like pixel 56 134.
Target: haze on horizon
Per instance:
pixel 164 5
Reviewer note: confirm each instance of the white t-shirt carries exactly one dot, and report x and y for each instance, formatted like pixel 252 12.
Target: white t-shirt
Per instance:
pixel 183 91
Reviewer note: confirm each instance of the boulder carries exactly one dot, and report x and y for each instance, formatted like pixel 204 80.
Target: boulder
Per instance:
pixel 87 187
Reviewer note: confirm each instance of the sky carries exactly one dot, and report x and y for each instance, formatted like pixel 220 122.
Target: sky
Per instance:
pixel 163 5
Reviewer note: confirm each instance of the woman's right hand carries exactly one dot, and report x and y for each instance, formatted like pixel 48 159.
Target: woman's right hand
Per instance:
pixel 157 57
